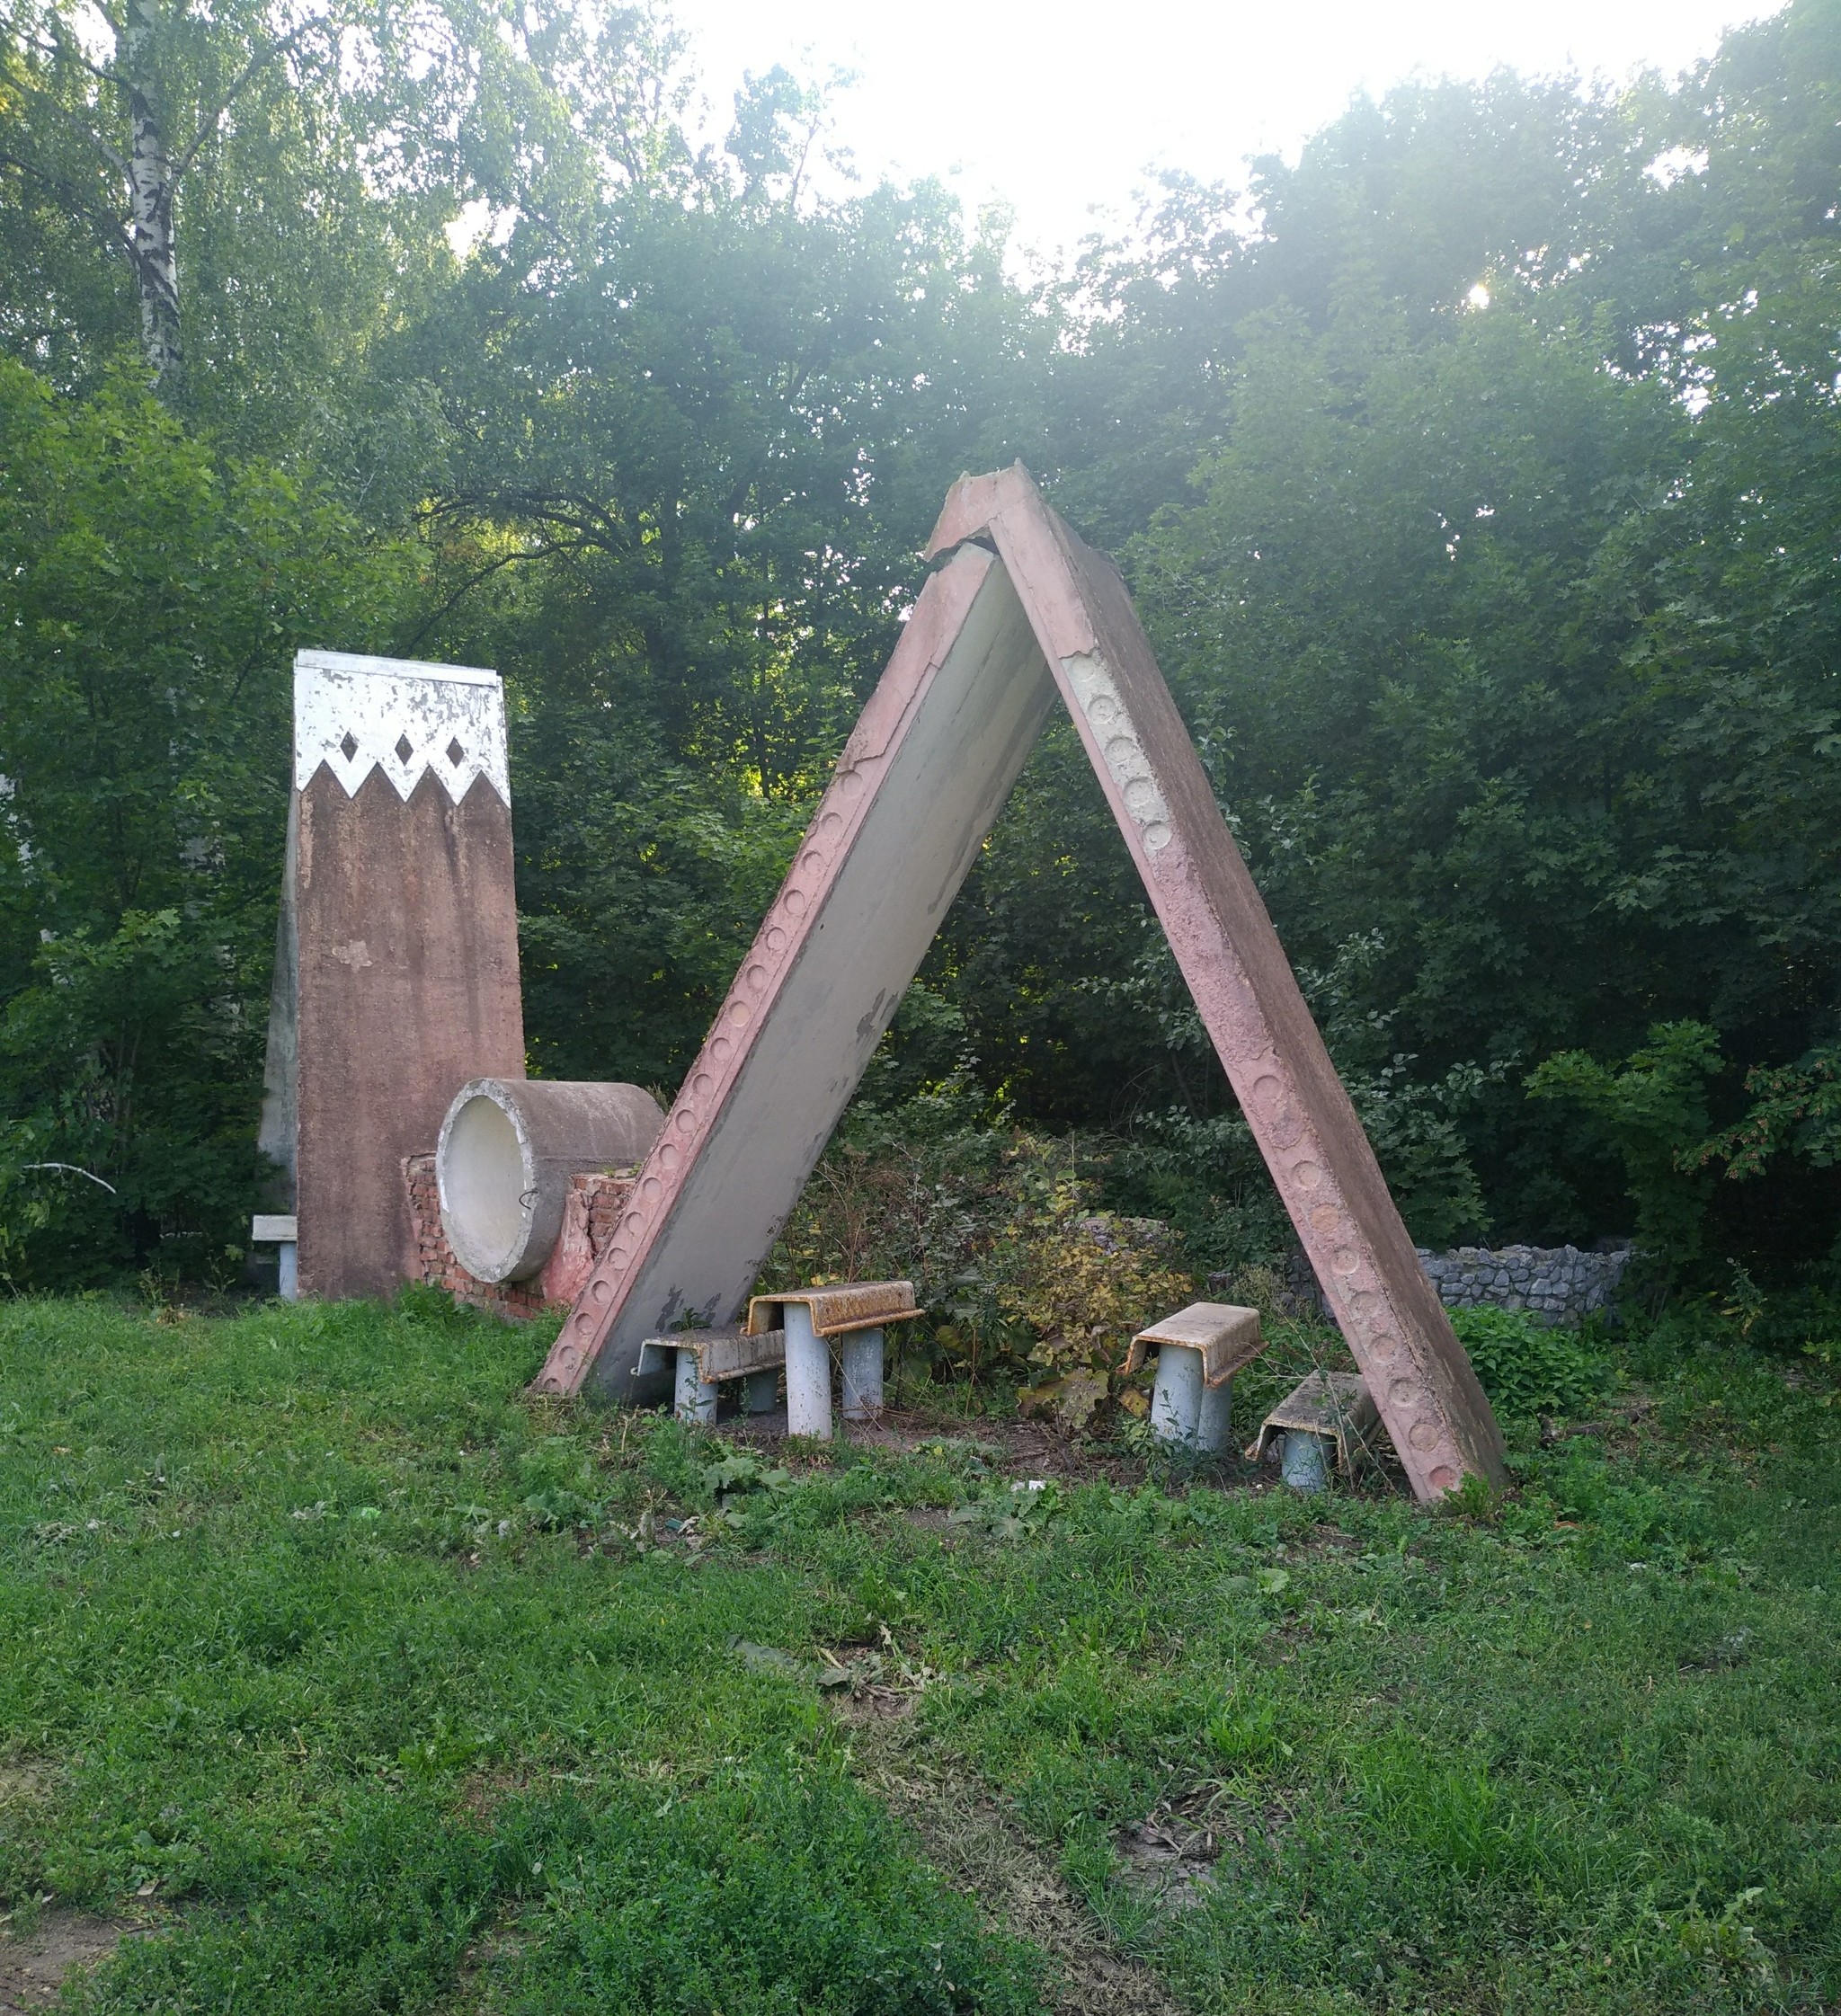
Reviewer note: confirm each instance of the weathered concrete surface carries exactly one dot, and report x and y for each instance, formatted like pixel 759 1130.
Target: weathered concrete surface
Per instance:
pixel 917 787
pixel 1225 1338
pixel 1249 999
pixel 407 929
pixel 396 968
pixel 508 1152
pixel 398 948
pixel 280 1119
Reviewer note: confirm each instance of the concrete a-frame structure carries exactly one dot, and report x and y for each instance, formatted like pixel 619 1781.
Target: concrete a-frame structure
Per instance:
pixel 1018 611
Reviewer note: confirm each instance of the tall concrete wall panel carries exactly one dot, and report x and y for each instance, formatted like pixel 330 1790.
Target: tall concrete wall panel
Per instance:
pixel 401 917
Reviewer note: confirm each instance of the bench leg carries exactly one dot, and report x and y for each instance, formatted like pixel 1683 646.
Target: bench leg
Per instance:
pixel 1175 1398
pixel 763 1391
pixel 808 1376
pixel 1303 1461
pixel 695 1398
pixel 288 1273
pixel 861 1353
pixel 1215 1425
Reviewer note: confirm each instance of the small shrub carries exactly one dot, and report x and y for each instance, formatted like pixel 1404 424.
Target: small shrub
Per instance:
pixel 1082 1282
pixel 1527 1369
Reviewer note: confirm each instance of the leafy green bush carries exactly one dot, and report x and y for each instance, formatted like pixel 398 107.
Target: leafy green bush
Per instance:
pixel 1650 1111
pixel 1527 1369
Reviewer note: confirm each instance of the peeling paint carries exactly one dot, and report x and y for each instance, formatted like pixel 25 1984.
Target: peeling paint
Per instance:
pixel 409 720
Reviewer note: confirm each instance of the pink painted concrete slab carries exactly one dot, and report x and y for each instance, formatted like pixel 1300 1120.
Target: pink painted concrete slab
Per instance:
pixel 1435 1412
pixel 396 975
pixel 916 789
pixel 1019 609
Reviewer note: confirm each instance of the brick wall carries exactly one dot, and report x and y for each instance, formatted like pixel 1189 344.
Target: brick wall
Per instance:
pixel 596 1200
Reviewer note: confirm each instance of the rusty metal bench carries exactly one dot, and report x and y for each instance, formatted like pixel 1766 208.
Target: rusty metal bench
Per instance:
pixel 1328 1411
pixel 704 1360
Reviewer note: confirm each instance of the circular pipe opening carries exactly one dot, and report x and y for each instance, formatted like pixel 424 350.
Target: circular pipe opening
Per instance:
pixel 484 1183
pixel 508 1151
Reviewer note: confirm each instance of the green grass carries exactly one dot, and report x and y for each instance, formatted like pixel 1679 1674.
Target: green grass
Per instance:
pixel 380 1689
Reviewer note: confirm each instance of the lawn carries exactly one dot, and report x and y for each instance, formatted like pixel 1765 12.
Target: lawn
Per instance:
pixel 361 1683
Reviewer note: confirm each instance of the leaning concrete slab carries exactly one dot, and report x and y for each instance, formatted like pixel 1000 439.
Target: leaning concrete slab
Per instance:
pixel 396 968
pixel 1018 609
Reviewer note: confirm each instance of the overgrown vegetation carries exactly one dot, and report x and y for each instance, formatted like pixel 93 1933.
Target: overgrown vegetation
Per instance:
pixel 1024 1272
pixel 366 1684
pixel 1529 1369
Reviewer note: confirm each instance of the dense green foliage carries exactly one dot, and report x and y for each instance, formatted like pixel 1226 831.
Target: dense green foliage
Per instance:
pixel 1476 476
pixel 1528 1368
pixel 368 1686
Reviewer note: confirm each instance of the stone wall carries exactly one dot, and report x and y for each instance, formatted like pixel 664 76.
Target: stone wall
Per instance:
pixel 589 1218
pixel 1556 1283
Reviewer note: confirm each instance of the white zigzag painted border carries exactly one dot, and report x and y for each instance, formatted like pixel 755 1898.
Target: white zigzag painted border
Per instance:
pixel 358 715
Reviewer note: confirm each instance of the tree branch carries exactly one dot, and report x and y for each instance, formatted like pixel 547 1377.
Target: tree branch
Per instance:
pixel 112 225
pixel 468 586
pixel 208 126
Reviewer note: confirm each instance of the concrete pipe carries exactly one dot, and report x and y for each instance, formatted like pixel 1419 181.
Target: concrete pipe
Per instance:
pixel 808 1375
pixel 506 1152
pixel 1305 1461
pixel 1185 1410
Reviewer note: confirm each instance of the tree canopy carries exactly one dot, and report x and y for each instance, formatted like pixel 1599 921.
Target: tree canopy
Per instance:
pixel 1476 474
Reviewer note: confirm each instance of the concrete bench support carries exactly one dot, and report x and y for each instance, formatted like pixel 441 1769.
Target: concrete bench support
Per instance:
pixel 702 1362
pixel 1304 1460
pixel 808 1376
pixel 1329 1418
pixel 1184 1408
pixel 856 1313
pixel 695 1397
pixel 859 1363
pixel 282 1230
pixel 1199 1349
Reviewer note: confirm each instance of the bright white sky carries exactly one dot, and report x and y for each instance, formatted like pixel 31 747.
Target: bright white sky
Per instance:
pixel 1059 107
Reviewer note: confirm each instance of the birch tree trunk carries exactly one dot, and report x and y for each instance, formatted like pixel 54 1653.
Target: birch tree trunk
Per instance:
pixel 150 183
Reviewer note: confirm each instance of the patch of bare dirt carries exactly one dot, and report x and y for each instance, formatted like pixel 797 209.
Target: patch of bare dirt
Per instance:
pixel 969 1838
pixel 23 1782
pixel 1171 1858
pixel 35 1964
